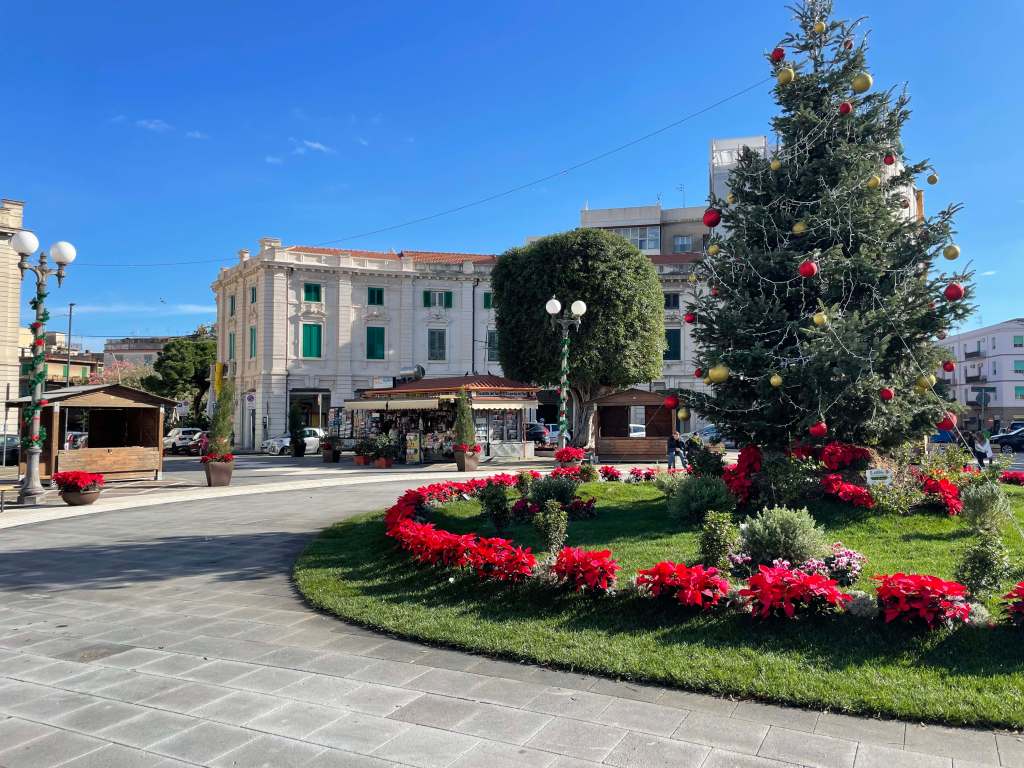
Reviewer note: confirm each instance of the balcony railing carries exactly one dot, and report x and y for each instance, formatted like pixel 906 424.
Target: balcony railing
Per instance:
pixel 976 378
pixel 974 354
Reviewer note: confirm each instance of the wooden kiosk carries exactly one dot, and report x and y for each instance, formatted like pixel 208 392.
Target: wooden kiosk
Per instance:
pixel 617 411
pixel 125 431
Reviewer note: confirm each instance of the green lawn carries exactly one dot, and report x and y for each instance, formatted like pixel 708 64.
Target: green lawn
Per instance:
pixel 963 676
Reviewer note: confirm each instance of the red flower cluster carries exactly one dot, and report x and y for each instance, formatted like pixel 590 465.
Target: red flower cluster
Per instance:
pixel 834 485
pixel 944 491
pixel 581 509
pixel 775 590
pixel 737 477
pixel 221 457
pixel 432 546
pixel 78 481
pixel 1012 477
pixel 842 455
pixel 642 474
pixel 1014 600
pixel 498 559
pixel 694 586
pixel 569 453
pixel 573 471
pixel 524 509
pixel 610 473
pixel 594 570
pixel 468 448
pixel 910 596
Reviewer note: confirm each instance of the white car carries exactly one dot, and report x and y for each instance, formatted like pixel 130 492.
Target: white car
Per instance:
pixel 637 430
pixel 179 439
pixel 282 444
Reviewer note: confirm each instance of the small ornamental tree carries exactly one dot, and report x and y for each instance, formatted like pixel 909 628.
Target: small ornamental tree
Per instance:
pixel 465 431
pixel 223 416
pixel 819 301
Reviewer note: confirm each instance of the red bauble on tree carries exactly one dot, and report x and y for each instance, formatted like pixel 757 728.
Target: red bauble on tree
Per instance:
pixel 889 158
pixel 953 292
pixel 36 325
pixel 698 373
pixel 671 402
pixel 808 268
pixel 818 429
pixel 43 403
pixel 948 366
pixel 940 335
pixel 778 55
pixel 847 44
pixel 712 217
pixel 886 394
pixel 689 318
pixel 845 108
pixel 948 422
pixel 714 291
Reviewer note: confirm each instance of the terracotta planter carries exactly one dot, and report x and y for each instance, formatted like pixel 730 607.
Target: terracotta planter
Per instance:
pixel 361 461
pixel 218 473
pixel 383 463
pixel 80 498
pixel 467 462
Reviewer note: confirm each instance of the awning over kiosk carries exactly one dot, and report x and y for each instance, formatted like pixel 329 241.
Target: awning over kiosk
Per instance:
pixel 426 404
pixel 503 405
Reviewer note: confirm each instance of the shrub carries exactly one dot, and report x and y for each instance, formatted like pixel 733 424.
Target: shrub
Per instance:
pixel 560 488
pixel 669 483
pixel 465 430
pixel 898 498
pixel 717 536
pixel 581 509
pixel 594 570
pixel 693 586
pixel 984 563
pixel 1013 604
pixel 985 506
pixel 523 510
pixel 611 474
pixel 221 425
pixel 782 533
pixel 784 480
pixel 524 480
pixel 495 505
pixel 912 597
pixel 705 462
pixel 552 522
pixel 569 454
pixel 700 495
pixel 862 605
pixel 588 473
pixel 776 591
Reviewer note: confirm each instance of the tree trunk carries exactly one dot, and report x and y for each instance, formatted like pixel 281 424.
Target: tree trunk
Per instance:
pixel 584 413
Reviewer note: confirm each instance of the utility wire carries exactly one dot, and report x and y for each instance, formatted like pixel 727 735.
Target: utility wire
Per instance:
pixel 488 198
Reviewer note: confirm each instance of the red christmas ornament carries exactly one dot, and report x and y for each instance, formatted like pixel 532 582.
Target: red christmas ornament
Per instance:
pixel 889 158
pixel 845 108
pixel 689 318
pixel 714 291
pixel 39 342
pixel 43 402
pixel 712 217
pixel 808 268
pixel 953 292
pixel 778 55
pixel 886 394
pixel 36 325
pixel 848 44
pixel 941 335
pixel 948 422
pixel 818 429
pixel 35 438
pixel 698 373
pixel 948 366
pixel 671 402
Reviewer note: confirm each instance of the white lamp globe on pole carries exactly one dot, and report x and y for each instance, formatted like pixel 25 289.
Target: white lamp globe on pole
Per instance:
pixel 62 253
pixel 24 243
pixel 578 308
pixel 553 307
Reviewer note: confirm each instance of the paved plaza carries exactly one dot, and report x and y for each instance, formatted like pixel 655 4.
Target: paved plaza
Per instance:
pixel 170 636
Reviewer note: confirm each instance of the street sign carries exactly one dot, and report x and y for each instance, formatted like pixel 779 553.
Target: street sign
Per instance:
pixel 879 476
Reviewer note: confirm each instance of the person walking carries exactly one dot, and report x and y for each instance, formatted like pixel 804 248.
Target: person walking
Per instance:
pixel 982 449
pixel 675 448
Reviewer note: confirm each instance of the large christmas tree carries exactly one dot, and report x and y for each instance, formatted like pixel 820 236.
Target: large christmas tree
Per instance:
pixel 818 305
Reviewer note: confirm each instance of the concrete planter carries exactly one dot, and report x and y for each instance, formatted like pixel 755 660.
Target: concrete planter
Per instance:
pixel 218 473
pixel 383 463
pixel 467 462
pixel 80 498
pixel 568 463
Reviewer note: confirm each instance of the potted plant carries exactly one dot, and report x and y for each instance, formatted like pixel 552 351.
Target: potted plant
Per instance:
pixel 295 427
pixel 383 452
pixel 218 462
pixel 569 456
pixel 330 447
pixel 78 488
pixel 364 452
pixel 467 450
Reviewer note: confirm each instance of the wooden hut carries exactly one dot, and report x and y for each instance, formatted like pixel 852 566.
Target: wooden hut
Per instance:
pixel 125 429
pixel 633 425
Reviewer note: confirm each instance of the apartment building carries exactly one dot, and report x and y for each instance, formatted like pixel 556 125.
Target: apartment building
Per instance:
pixel 141 350
pixel 989 374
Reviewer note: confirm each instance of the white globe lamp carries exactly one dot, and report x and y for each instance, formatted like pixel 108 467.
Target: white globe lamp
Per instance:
pixel 553 307
pixel 578 308
pixel 63 253
pixel 24 243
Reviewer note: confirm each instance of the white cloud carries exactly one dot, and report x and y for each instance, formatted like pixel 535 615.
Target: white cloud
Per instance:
pixel 154 124
pixel 316 146
pixel 988 273
pixel 196 135
pixel 361 140
pixel 149 309
pixel 274 159
pixel 122 118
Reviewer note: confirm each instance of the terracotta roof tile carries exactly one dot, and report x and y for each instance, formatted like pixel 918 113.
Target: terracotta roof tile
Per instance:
pixel 471 383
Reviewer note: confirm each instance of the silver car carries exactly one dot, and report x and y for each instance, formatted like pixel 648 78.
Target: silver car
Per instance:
pixel 282 444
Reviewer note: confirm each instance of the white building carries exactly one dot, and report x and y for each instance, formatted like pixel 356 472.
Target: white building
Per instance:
pixel 11 212
pixel 989 373
pixel 313 325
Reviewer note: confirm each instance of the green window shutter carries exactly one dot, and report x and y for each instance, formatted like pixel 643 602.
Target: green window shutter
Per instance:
pixel 447 299
pixel 252 341
pixel 1018 393
pixel 492 346
pixel 1018 366
pixel 252 294
pixel 374 343
pixel 231 345
pixel 375 297
pixel 1018 341
pixel 231 306
pixel 311 292
pixel 426 299
pixel 85 371
pixel 64 371
pixel 673 344
pixel 312 340
pixel 488 300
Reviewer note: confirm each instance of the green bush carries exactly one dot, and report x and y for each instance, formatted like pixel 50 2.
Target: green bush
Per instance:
pixel 717 536
pixel 524 479
pixel 221 425
pixel 783 480
pixel 494 504
pixel 984 564
pixel 704 461
pixel 561 489
pixel 699 496
pixel 552 522
pixel 588 473
pixel 782 533
pixel 986 507
pixel 898 498
pixel 670 482
pixel 465 431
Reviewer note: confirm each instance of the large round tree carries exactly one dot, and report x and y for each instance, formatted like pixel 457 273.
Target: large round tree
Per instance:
pixel 622 337
pixel 822 295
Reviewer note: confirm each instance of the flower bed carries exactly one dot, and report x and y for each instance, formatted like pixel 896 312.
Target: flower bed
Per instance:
pixel 611 474
pixel 693 586
pixel 834 485
pixel 586 570
pixel 912 597
pixel 783 591
pixel 1012 477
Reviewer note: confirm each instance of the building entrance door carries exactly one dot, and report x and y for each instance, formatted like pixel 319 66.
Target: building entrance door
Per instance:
pixel 252 428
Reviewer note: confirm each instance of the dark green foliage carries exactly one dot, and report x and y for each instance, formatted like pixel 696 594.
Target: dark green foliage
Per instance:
pixel 296 423
pixel 588 473
pixel 698 497
pixel 182 369
pixel 782 533
pixel 465 432
pixel 884 310
pixel 383 447
pixel 523 482
pixel 551 523
pixel 783 481
pixel 717 537
pixel 561 489
pixel 221 423
pixel 494 504
pixel 984 563
pixel 705 462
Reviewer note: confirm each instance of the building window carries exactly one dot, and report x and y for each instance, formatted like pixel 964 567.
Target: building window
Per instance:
pixel 252 294
pixel 312 340
pixel 644 238
pixel 1018 342
pixel 252 341
pixel 374 342
pixel 437 299
pixel 147 359
pixel 231 345
pixel 492 346
pixel 488 300
pixel 231 305
pixel 1018 366
pixel 673 344
pixel 312 292
pixel 682 243
pixel 437 344
pixel 375 297
pixel 1018 393
pixel 994 371
pixel 671 301
pixel 993 342
pixel 85 372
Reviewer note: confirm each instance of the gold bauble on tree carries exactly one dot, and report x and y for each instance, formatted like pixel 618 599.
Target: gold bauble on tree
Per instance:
pixel 819 27
pixel 800 227
pixel 925 382
pixel 693 277
pixel 785 76
pixel 683 414
pixel 862 83
pixel 713 249
pixel 776 165
pixel 718 373
pixel 775 380
pixel 951 251
pixel 933 178
pixel 819 318
pixel 707 381
pixel 874 182
pixel 730 198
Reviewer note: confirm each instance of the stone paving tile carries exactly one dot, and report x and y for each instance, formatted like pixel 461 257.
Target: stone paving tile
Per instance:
pixel 203 743
pixel 642 716
pixel 490 755
pixel 574 738
pixel 269 752
pixel 295 719
pixel 379 700
pixel 872 731
pixel 720 758
pixel 139 688
pixel 218 672
pixel 336 758
pixel 173 664
pixel 877 756
pixel 134 658
pixel 151 726
pixel 808 749
pixel 358 733
pixel 320 689
pixel 511 693
pixel 387 672
pixel 960 743
pixel 770 714
pixel 268 679
pixel 50 750
pixel 97 678
pixel 557 678
pixel 186 697
pixel 1011 749
pixel 442 658
pixel 436 711
pixel 722 732
pixel 21 664
pixel 238 707
pixel 625 690
pixel 115 756
pixel 570 703
pixel 448 682
pixel 337 664
pixel 53 672
pixel 641 750
pixel 50 706
pixel 426 747
pixel 400 650
pixel 14 731
pixel 349 643
pixel 515 726
pixel 290 658
pixel 98 716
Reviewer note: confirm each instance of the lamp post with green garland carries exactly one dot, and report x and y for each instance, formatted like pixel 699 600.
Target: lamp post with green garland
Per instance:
pixel 25 244
pixel 569 319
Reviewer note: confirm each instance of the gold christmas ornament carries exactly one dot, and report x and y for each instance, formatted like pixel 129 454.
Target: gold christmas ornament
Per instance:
pixel 683 414
pixel 718 373
pixel 776 165
pixel 926 381
pixel 819 27
pixel 819 318
pixel 862 82
pixel 713 249
pixel 951 252
pixel 693 277
pixel 785 76
pixel 707 381
pixel 800 227
pixel 775 380
pixel 874 182
pixel 730 198
pixel 933 178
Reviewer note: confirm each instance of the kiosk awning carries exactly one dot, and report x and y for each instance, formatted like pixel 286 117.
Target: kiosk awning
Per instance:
pixel 423 404
pixel 503 405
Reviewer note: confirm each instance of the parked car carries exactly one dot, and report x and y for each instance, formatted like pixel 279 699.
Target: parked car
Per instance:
pixel 1009 442
pixel 1014 426
pixel 178 439
pixel 710 435
pixel 197 443
pixel 637 430
pixel 538 433
pixel 282 444
pixel 10 445
pixel 75 440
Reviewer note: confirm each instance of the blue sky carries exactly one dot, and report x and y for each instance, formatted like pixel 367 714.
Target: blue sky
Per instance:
pixel 147 136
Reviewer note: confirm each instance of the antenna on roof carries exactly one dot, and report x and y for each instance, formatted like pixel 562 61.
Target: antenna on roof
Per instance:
pixel 586 205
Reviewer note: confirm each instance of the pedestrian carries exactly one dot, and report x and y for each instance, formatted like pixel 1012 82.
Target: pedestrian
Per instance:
pixel 675 448
pixel 982 449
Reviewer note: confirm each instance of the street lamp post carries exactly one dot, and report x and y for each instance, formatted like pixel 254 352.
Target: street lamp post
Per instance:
pixel 571 318
pixel 25 244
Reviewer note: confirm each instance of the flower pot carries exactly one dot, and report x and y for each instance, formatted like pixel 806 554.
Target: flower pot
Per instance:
pixel 79 498
pixel 329 454
pixel 467 462
pixel 299 448
pixel 218 473
pixel 383 463
pixel 568 463
pixel 361 460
